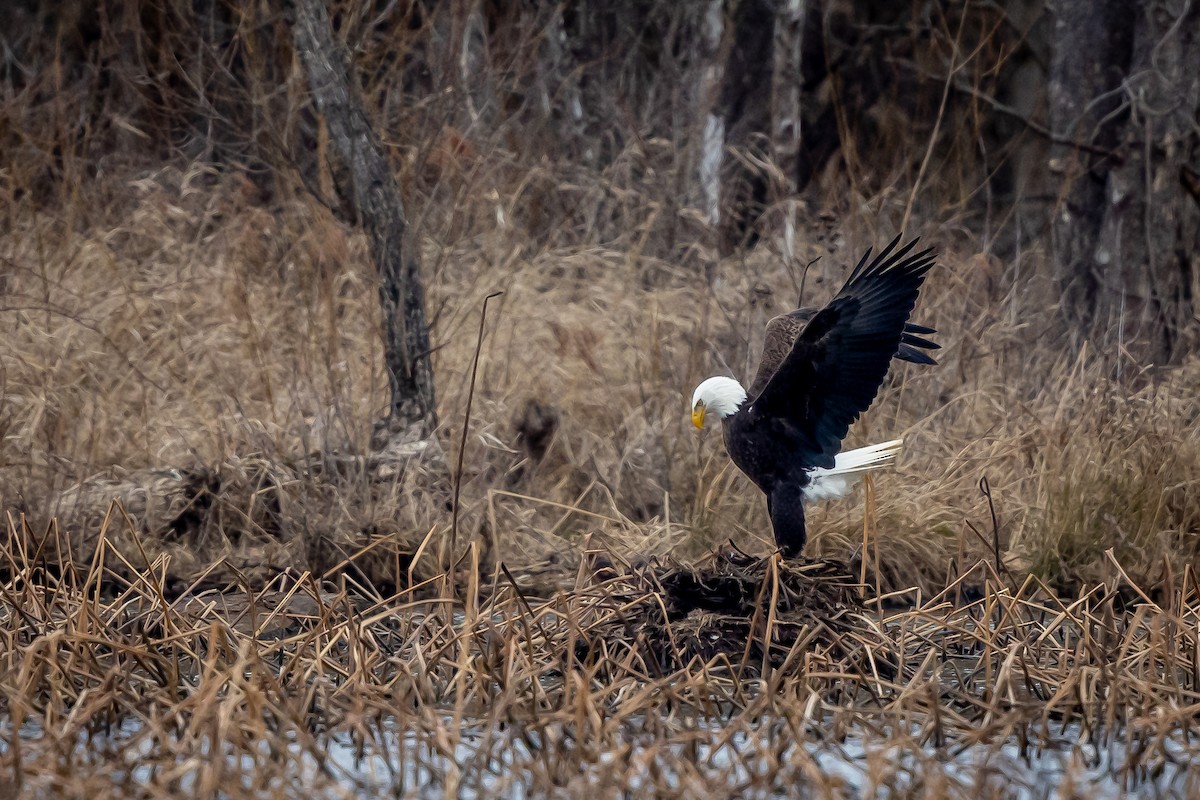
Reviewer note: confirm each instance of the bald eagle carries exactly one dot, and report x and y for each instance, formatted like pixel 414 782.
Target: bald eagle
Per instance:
pixel 820 369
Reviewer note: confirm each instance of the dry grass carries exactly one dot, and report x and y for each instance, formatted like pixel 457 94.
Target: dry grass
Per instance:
pixel 242 376
pixel 622 683
pixel 222 352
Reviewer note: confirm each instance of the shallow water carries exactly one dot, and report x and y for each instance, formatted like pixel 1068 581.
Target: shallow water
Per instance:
pixel 735 761
pixel 763 762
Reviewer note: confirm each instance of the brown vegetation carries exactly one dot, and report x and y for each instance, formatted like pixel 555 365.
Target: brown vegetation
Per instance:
pixel 231 357
pixel 204 553
pixel 479 689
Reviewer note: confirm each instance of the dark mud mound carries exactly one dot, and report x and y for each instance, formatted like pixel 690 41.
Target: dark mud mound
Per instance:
pixel 732 582
pixel 746 615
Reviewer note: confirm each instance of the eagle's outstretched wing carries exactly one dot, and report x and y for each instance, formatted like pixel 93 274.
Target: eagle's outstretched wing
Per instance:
pixel 783 330
pixel 837 361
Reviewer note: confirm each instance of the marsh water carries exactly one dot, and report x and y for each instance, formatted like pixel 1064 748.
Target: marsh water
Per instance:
pixel 1092 771
pixel 396 761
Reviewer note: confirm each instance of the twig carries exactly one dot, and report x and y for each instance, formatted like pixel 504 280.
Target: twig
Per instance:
pixel 987 492
pixel 462 444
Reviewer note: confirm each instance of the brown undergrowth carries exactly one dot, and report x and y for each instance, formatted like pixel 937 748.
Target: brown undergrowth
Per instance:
pixel 655 678
pixel 214 366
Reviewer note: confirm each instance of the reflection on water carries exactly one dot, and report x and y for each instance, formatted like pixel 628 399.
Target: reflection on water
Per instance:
pixel 765 762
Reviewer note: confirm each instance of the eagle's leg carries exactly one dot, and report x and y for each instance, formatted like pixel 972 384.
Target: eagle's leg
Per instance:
pixel 785 504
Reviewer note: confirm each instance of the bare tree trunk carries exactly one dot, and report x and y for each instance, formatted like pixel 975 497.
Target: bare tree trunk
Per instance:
pixel 757 112
pixel 1152 225
pixel 1125 90
pixel 381 211
pixel 745 107
pixel 786 84
pixel 786 88
pixel 712 145
pixel 1091 51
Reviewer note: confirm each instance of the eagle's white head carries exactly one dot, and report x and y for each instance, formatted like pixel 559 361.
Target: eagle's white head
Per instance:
pixel 720 395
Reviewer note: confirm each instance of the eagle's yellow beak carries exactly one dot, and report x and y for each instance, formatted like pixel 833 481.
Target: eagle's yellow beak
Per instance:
pixel 698 415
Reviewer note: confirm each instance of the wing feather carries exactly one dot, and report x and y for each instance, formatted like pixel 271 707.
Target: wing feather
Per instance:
pixel 782 331
pixel 838 361
pixel 781 335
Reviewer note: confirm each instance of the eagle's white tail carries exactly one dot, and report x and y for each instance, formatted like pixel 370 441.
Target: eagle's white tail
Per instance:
pixel 848 468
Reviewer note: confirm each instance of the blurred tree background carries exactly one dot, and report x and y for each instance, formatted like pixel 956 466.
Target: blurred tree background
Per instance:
pixel 1021 121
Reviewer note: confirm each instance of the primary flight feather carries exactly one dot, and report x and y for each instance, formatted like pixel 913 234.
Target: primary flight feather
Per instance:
pixel 819 371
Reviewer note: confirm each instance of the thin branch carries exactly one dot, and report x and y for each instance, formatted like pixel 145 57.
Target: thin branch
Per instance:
pixel 462 443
